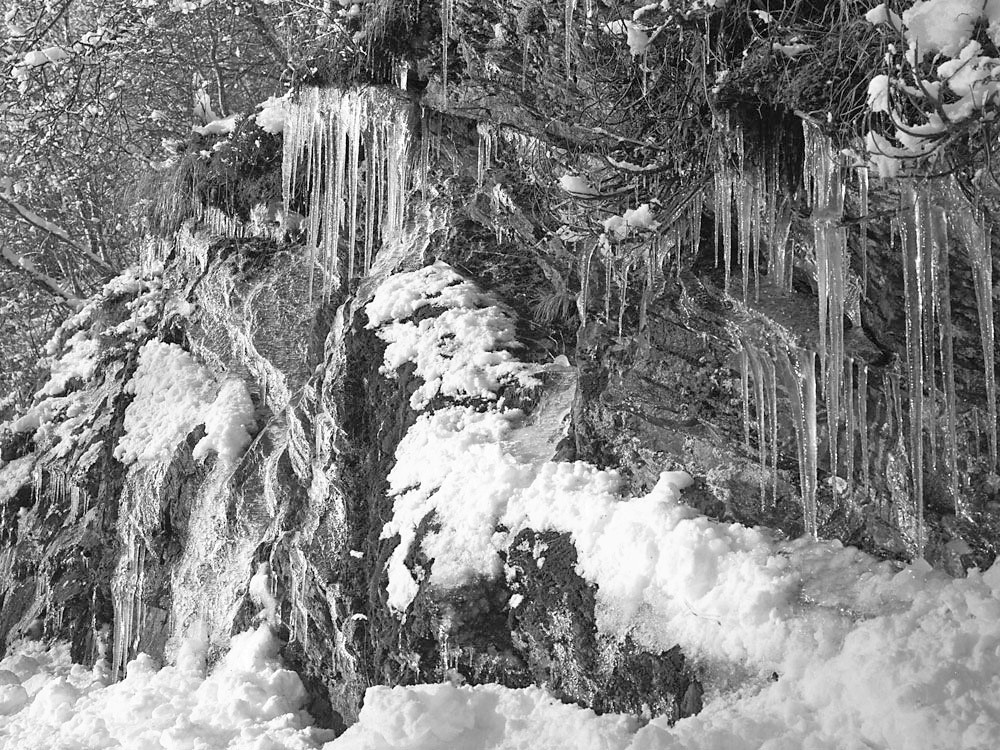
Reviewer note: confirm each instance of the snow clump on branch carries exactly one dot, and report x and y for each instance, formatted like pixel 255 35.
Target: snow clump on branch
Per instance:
pixel 937 68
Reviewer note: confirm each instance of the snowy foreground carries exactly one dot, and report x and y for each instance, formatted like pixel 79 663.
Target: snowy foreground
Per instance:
pixel 924 672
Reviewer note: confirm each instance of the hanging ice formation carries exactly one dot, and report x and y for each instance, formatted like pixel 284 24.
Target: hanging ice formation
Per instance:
pixel 346 157
pixel 970 227
pixel 821 177
pixel 139 516
pixel 914 243
pixel 447 12
pixel 922 425
pixel 747 194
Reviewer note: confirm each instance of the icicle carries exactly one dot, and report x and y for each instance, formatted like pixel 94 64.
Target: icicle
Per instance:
pixel 971 229
pixel 608 281
pixel 943 304
pixel 623 298
pixel 807 369
pixel 754 359
pixel 894 405
pixel 744 213
pixel 772 398
pixel 583 298
pixel 447 10
pixel 913 260
pixel 779 264
pixel 799 382
pixel 484 152
pixel 849 426
pixel 821 175
pixel 525 41
pixel 355 117
pixel 862 398
pixel 863 207
pixel 923 219
pixel 723 205
pixel 745 392
pixel 344 139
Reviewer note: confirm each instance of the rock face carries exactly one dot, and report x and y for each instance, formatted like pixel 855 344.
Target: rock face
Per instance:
pixel 675 365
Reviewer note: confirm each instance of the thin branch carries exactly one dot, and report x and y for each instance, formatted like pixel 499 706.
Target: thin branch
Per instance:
pixel 54 230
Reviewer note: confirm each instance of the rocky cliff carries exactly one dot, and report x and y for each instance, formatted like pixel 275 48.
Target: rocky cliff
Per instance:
pixel 691 271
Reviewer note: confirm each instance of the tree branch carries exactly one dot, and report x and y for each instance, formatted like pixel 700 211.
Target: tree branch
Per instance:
pixel 54 230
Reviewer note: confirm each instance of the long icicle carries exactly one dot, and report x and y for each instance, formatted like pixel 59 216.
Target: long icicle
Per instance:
pixel 862 397
pixel 807 371
pixel 772 398
pixel 821 176
pixel 862 175
pixel 945 330
pixel 911 240
pixel 745 392
pixel 849 426
pixel 982 268
pixel 754 357
pixel 447 10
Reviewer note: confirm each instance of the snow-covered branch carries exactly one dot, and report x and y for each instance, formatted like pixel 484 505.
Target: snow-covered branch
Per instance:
pixel 40 278
pixel 40 222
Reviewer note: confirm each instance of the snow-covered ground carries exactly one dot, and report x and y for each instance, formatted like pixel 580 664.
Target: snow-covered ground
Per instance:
pixel 804 644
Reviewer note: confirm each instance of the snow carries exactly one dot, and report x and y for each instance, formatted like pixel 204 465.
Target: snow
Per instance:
pixel 249 701
pixel 432 717
pixel 619 227
pixel 260 589
pixel 37 58
pixel 946 25
pixel 463 352
pixel 882 14
pixel 963 85
pixel 228 423
pixel 866 653
pixel 878 93
pixel 273 111
pixel 804 644
pixel 577 185
pixel 172 391
pixel 637 39
pixel 79 361
pixel 13 476
pixel 791 51
pixel 218 126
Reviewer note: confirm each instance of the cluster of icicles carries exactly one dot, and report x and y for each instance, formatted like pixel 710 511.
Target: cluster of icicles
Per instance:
pixel 346 156
pixel 925 434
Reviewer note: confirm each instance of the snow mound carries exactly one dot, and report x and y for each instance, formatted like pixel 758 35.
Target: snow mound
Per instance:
pixel 172 391
pixel 173 395
pixel 249 700
pixel 431 717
